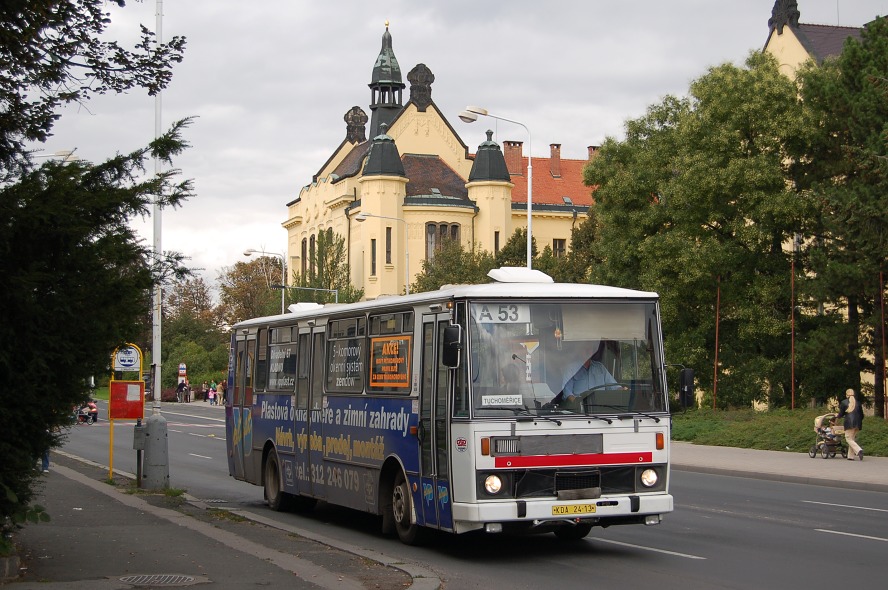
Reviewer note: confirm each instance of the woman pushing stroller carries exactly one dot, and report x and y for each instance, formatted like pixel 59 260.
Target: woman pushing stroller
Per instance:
pixel 851 410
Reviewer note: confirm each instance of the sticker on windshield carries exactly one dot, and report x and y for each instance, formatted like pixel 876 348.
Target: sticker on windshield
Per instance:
pixel 501 400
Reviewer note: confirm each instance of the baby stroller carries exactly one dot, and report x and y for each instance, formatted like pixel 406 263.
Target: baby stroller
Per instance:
pixel 829 438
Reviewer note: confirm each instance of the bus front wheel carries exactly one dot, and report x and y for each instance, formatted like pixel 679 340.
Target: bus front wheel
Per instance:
pixel 573 532
pixel 402 508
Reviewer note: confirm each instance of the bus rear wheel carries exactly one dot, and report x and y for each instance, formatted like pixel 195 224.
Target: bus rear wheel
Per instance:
pixel 402 509
pixel 277 499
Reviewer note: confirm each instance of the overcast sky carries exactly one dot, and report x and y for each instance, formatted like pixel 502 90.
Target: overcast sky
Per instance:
pixel 269 83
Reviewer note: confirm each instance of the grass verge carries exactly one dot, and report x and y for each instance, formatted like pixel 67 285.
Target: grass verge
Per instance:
pixel 774 430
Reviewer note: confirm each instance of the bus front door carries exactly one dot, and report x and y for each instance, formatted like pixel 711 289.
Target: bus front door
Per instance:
pixel 309 398
pixel 433 457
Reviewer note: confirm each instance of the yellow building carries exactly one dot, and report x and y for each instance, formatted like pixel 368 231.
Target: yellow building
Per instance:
pixel 397 194
pixel 794 43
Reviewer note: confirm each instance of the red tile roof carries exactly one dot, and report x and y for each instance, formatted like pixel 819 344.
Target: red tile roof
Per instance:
pixel 549 190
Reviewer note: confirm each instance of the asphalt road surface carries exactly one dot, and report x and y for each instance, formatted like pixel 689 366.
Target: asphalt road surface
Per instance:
pixel 726 532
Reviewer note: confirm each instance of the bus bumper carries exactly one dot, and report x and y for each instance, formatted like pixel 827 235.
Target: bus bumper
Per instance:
pixel 540 514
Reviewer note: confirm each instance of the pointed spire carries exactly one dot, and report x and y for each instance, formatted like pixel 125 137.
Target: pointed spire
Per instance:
pixel 386 86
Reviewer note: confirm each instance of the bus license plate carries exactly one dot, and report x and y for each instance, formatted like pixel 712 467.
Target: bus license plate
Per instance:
pixel 571 509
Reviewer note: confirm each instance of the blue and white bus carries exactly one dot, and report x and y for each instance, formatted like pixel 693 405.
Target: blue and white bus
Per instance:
pixel 446 410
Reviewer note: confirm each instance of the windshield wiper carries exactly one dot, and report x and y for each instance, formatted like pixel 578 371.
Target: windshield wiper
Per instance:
pixel 634 413
pixel 524 414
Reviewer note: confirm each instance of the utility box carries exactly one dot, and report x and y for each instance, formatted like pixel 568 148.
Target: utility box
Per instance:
pixel 139 437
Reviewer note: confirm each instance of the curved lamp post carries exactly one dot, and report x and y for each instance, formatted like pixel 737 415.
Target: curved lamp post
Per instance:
pixel 251 251
pixel 470 115
pixel 361 217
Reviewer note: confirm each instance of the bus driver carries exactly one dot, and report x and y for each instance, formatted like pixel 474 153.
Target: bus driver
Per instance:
pixel 590 375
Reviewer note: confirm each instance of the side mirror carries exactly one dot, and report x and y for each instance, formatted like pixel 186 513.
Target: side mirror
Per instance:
pixel 451 354
pixel 686 388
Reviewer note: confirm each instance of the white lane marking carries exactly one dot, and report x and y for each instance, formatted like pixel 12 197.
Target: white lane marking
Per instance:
pixel 213 436
pixel 844 506
pixel 168 413
pixel 852 535
pixel 199 456
pixel 642 547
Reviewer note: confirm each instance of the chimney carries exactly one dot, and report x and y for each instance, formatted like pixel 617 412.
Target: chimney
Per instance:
pixel 513 158
pixel 555 159
pixel 593 151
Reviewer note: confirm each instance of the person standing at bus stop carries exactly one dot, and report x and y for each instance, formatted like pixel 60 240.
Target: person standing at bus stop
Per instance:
pixel 852 411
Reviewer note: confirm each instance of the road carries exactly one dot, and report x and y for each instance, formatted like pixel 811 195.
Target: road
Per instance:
pixel 726 532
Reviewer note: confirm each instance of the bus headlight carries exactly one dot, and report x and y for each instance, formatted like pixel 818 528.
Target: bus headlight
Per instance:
pixel 649 478
pixel 493 484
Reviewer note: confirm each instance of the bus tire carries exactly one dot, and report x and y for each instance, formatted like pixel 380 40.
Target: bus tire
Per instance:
pixel 401 510
pixel 573 533
pixel 277 499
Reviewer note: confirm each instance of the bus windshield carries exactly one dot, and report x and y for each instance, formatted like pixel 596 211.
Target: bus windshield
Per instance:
pixel 587 359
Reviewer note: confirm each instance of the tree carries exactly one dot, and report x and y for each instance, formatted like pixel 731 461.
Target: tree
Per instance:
pixel 328 272
pixel 846 173
pixel 245 290
pixel 453 264
pixel 514 252
pixel 53 54
pixel 696 204
pixel 193 333
pixel 76 275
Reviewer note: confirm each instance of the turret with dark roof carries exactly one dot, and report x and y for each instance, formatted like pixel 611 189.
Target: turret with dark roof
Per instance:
pixel 384 159
pixel 489 162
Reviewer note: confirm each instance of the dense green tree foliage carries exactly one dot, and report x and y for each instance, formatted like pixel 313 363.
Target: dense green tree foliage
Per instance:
pixel 76 276
pixel 696 203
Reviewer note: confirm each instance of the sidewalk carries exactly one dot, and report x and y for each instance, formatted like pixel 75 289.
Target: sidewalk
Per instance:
pixel 101 538
pixel 870 474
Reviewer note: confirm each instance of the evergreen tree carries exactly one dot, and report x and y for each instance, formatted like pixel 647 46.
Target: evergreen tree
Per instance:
pixel 847 176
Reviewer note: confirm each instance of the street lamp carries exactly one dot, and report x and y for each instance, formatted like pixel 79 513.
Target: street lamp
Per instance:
pixel 250 251
pixel 361 217
pixel 470 115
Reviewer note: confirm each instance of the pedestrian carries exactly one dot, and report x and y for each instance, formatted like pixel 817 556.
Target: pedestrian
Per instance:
pixel 212 392
pixel 220 392
pixel 180 390
pixel 46 460
pixel 187 391
pixel 204 391
pixel 852 411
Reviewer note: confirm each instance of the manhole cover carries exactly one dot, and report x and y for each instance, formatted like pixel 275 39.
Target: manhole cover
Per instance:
pixel 158 580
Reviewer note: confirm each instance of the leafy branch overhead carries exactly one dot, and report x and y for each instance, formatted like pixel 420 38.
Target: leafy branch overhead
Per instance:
pixel 53 53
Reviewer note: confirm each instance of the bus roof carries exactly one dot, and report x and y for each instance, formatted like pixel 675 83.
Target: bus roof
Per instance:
pixel 536 290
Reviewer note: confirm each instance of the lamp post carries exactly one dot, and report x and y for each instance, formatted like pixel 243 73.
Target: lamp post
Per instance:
pixel 470 115
pixel 361 217
pixel 251 251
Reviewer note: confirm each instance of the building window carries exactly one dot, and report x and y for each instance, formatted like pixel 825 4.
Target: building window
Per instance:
pixel 388 245
pixel 495 242
pixel 558 247
pixel 304 254
pixel 437 234
pixel 311 255
pixel 373 258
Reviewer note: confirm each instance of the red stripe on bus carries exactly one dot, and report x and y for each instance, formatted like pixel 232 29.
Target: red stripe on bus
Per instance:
pixel 573 460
